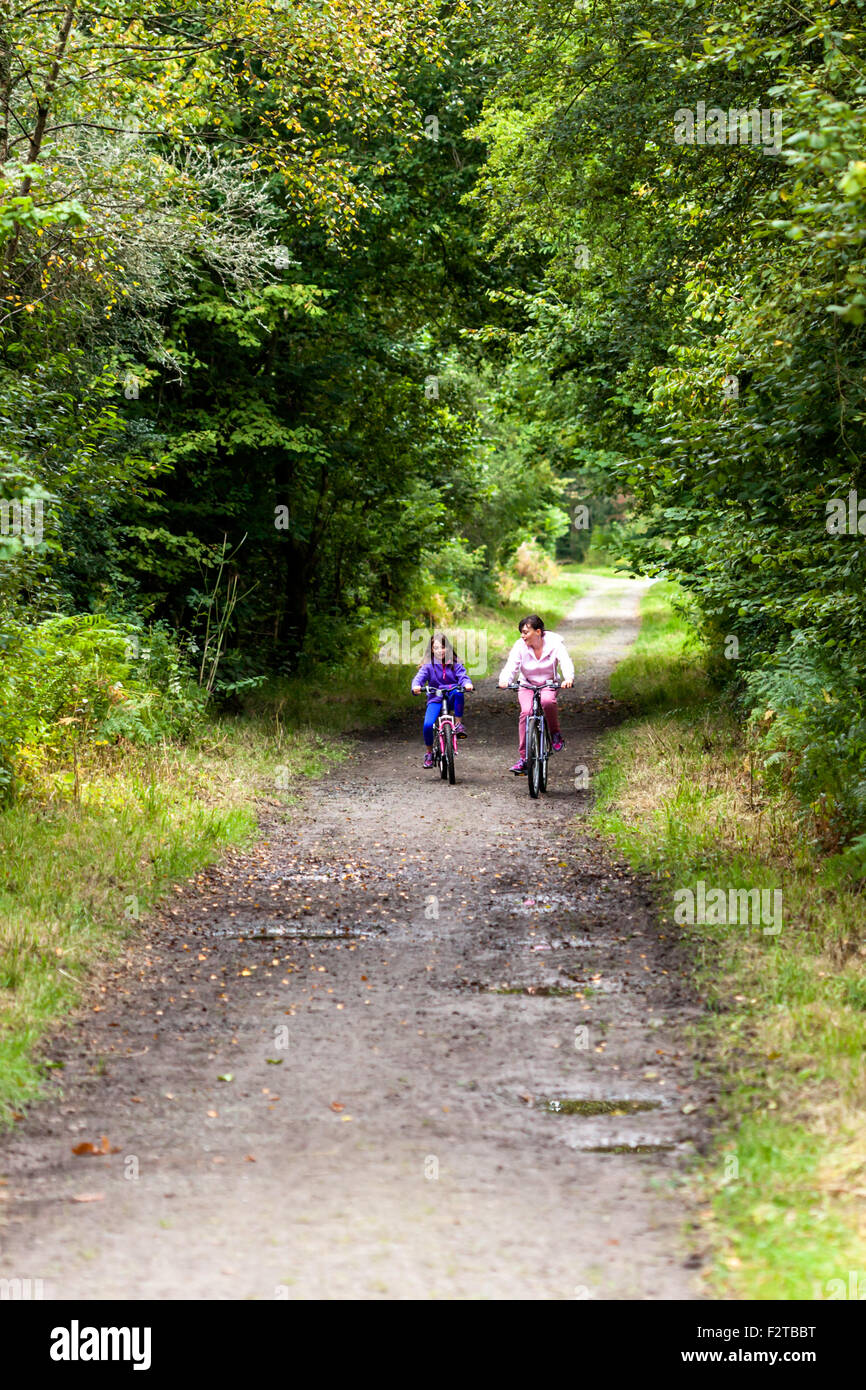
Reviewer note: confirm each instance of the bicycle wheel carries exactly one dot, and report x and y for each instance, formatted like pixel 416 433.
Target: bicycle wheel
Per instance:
pixel 441 757
pixel 533 761
pixel 542 758
pixel 449 755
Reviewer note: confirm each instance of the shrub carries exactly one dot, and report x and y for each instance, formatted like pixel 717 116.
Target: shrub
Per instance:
pixel 72 681
pixel 533 564
pixel 811 716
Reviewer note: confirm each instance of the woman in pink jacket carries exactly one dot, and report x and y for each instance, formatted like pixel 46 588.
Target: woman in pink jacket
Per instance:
pixel 534 658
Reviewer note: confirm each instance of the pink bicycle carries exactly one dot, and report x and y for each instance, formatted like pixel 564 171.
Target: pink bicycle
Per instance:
pixel 444 737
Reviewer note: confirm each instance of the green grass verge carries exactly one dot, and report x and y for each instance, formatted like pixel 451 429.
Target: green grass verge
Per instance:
pixel 75 879
pixel 785 1015
pixel 663 669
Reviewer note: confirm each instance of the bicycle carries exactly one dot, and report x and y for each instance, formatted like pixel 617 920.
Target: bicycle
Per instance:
pixel 444 737
pixel 538 740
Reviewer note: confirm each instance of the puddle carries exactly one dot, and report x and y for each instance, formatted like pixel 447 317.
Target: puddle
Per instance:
pixel 542 991
pixel 532 943
pixel 295 931
pixel 595 1107
pixel 576 989
pixel 347 876
pixel 308 878
pixel 533 902
pixel 572 991
pixel 629 1149
pixel 583 989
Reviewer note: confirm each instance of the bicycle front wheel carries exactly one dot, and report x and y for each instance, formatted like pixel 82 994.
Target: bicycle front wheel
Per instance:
pixel 533 761
pixel 449 756
pixel 441 755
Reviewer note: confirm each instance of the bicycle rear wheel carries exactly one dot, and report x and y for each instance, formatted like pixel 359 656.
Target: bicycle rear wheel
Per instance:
pixel 542 759
pixel 533 761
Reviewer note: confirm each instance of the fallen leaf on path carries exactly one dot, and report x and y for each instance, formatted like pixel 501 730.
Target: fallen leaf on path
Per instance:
pixel 335 1105
pixel 687 1109
pixel 89 1197
pixel 102 1148
pixel 345 1117
pixel 249 1158
pixel 226 1076
pixel 213 1114
pixel 274 1061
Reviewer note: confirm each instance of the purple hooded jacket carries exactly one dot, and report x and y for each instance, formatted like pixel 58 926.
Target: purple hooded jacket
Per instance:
pixel 435 674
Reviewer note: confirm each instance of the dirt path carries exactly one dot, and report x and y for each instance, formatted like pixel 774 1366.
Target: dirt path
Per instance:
pixel 384 1131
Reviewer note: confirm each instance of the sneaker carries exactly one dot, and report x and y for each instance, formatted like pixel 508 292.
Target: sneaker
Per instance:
pixel 460 731
pixel 519 766
pixel 558 743
pixel 428 759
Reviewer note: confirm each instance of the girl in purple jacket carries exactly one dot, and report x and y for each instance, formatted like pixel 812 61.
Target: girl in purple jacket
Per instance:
pixel 441 668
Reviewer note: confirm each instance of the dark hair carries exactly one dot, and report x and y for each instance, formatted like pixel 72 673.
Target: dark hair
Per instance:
pixel 447 647
pixel 531 620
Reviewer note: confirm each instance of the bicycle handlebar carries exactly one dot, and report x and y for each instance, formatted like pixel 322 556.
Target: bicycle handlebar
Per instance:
pixel 439 689
pixel 528 685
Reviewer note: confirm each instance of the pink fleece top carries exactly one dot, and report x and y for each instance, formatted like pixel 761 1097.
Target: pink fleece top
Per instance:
pixel 521 661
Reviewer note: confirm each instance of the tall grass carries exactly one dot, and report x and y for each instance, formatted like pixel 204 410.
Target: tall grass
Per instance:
pixel 785 1016
pixel 76 879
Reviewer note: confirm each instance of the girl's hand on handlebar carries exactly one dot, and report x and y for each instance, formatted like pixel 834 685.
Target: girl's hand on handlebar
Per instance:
pixel 566 685
pixel 416 690
pixel 469 686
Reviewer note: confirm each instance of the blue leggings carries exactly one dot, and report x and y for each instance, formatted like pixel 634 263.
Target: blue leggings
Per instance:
pixel 433 711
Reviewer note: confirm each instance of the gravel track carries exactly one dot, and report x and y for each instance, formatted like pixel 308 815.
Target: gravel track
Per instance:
pixel 404 981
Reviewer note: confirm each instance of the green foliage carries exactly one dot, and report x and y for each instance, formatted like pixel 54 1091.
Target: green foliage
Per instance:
pixel 698 327
pixel 811 714
pixel 69 683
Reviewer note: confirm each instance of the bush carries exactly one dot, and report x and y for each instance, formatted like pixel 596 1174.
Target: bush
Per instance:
pixel 451 579
pixel 69 682
pixel 811 714
pixel 532 564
